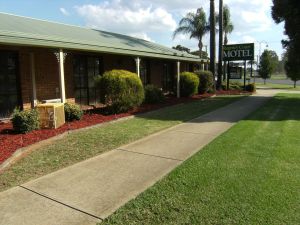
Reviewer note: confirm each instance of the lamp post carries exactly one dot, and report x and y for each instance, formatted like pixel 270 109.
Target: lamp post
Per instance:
pixel 259 53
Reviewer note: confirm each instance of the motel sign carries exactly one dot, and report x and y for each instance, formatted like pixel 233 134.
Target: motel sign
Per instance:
pixel 239 52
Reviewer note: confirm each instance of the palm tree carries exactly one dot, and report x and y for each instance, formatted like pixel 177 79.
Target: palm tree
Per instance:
pixel 194 24
pixel 227 29
pixel 227 24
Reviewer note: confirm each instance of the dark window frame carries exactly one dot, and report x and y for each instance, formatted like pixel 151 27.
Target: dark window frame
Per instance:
pixel 18 92
pixel 168 74
pixel 84 59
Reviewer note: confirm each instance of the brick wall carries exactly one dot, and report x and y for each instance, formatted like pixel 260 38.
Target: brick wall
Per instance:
pixel 47 72
pixel 46 76
pixel 25 78
pixel 156 72
pixel 111 62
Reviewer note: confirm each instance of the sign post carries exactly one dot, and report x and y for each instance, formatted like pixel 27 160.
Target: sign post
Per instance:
pixel 245 70
pixel 238 52
pixel 228 74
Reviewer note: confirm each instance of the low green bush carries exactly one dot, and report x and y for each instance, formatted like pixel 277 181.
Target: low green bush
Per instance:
pixel 233 85
pixel 120 90
pixel 206 81
pixel 189 83
pixel 153 94
pixel 72 112
pixel 25 121
pixel 251 87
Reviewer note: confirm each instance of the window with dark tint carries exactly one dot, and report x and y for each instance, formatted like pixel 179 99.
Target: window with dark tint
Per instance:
pixel 168 77
pixel 145 72
pixel 191 67
pixel 85 69
pixel 9 93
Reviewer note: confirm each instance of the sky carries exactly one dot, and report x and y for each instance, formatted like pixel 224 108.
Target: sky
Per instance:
pixel 155 20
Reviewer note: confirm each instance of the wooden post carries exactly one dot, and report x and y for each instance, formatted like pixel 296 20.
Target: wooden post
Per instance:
pixel 137 63
pixel 32 71
pixel 178 79
pixel 62 76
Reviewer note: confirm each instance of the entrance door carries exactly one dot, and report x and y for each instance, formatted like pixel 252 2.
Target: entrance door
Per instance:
pixel 85 69
pixel 145 72
pixel 9 94
pixel 168 78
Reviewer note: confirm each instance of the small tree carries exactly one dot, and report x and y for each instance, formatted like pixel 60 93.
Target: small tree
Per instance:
pixel 267 64
pixel 292 66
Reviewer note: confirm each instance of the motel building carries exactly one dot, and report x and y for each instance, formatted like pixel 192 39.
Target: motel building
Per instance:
pixel 41 60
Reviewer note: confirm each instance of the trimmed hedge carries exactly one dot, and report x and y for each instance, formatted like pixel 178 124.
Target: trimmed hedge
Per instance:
pixel 25 121
pixel 233 85
pixel 153 94
pixel 189 83
pixel 206 81
pixel 120 90
pixel 236 85
pixel 72 112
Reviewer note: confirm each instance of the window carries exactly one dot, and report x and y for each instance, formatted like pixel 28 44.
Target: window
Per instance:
pixel 85 69
pixel 168 77
pixel 9 91
pixel 145 72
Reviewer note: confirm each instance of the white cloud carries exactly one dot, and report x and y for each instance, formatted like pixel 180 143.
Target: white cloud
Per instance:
pixel 155 20
pixel 248 39
pixel 64 11
pixel 251 16
pixel 119 16
pixel 141 35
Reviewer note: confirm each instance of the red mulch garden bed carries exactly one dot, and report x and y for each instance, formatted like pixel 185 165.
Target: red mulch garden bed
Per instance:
pixel 10 141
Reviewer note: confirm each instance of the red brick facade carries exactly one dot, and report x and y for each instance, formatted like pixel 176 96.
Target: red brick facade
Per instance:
pixel 47 72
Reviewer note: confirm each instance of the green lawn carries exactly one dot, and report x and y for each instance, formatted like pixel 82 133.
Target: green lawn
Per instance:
pixel 248 175
pixel 88 143
pixel 279 77
pixel 279 86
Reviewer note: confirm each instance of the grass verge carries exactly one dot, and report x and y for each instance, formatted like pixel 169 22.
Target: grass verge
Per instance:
pixel 248 175
pixel 88 143
pixel 279 86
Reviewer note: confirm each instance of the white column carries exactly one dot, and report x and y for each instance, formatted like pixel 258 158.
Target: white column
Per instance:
pixel 137 63
pixel 32 71
pixel 206 66
pixel 178 79
pixel 62 76
pixel 202 66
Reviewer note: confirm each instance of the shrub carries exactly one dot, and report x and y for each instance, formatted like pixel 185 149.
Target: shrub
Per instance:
pixel 153 94
pixel 206 81
pixel 72 112
pixel 189 83
pixel 120 90
pixel 25 121
pixel 233 85
pixel 251 87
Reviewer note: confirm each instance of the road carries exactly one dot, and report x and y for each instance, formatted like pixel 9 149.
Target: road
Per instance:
pixel 259 80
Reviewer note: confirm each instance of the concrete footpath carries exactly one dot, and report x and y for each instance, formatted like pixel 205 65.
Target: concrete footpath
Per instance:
pixel 89 191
